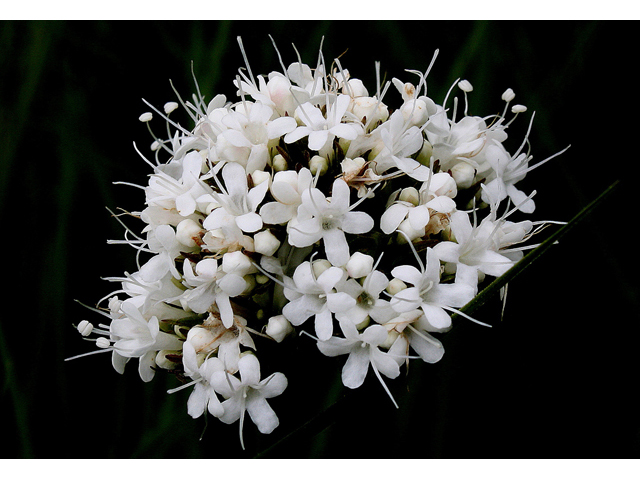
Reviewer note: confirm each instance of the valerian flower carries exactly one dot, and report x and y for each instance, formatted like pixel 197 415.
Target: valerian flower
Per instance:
pixel 363 351
pixel 242 207
pixel 328 220
pixel 249 394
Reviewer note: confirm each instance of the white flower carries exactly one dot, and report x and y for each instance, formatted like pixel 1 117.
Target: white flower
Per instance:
pixel 428 293
pixel 287 187
pixel 366 294
pixel 414 329
pixel 162 240
pixel 253 130
pixel 310 295
pixel 203 397
pixel 211 283
pixel 363 351
pixel 250 394
pixel 400 141
pixel 320 130
pixel 319 218
pixel 473 251
pixel 434 194
pixel 167 190
pixel 238 203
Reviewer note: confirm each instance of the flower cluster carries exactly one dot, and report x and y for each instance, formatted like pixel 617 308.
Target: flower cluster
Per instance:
pixel 277 212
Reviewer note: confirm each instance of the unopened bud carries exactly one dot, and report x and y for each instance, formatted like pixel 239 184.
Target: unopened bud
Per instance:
pixel 359 265
pixel 237 262
pixel 395 285
pixel 426 152
pixel 409 231
pixel 279 164
pixel 201 339
pixel 319 266
pixel 187 231
pixel 391 337
pixel 411 195
pixel 463 174
pixel 266 243
pixel 278 327
pixel 259 176
pixel 318 164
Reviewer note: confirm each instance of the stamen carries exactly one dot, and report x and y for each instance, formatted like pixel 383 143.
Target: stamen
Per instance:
pixel 246 60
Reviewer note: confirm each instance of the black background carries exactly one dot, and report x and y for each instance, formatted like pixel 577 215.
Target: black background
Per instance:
pixel 557 378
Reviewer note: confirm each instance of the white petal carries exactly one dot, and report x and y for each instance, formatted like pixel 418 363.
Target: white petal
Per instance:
pixel 442 204
pixel 343 130
pixel 281 126
pixel 318 139
pixel 419 216
pixel 336 247
pixel 357 222
pixel 393 217
pixel 356 367
pixel 431 350
pixel 249 222
pixel 340 301
pixel 297 134
pixel 274 385
pixel 436 316
pixel 407 273
pixel 324 324
pixel 249 367
pixel 261 413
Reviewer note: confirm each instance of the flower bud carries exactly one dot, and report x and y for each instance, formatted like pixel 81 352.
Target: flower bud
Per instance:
pixel 369 108
pixel 201 339
pixel 237 262
pixel 409 231
pixel 187 231
pixel 391 337
pixel 259 176
pixel 463 174
pixel 415 112
pixel 426 152
pixel 266 243
pixel 278 327
pixel 359 265
pixel 355 88
pixel 395 285
pixel 250 281
pixel 319 266
pixel 279 164
pixel 318 164
pixel 411 195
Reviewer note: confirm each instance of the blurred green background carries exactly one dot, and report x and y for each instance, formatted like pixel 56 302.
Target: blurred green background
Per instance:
pixel 556 378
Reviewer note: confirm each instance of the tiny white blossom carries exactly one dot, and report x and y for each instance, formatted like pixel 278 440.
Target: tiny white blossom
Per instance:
pixel 329 220
pixel 249 394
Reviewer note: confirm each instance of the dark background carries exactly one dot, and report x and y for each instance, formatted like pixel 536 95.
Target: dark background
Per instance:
pixel 557 378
